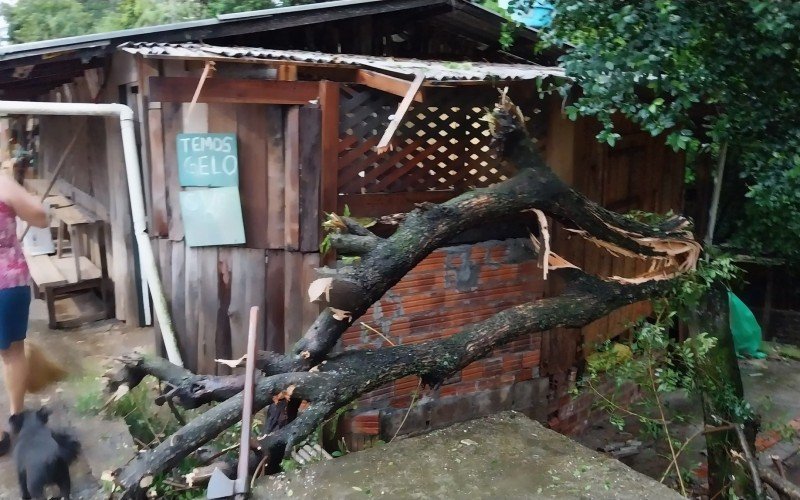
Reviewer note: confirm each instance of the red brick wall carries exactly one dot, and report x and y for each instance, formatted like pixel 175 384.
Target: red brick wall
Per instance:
pixel 452 288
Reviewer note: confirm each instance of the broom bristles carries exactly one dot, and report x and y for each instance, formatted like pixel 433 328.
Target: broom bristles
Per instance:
pixel 42 371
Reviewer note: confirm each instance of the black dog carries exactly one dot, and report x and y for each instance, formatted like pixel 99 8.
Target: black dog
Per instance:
pixel 43 456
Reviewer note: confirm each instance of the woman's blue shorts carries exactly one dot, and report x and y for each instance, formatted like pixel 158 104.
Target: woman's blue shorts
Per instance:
pixel 15 304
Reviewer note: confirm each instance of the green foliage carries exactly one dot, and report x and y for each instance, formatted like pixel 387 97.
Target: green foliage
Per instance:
pixel 703 74
pixel 147 423
pixel 687 292
pixel 164 485
pixel 333 224
pixel 138 13
pixel 508 29
pixel 659 365
pixel 31 20
pixel 289 464
pixel 649 217
pixel 228 6
pixel 89 400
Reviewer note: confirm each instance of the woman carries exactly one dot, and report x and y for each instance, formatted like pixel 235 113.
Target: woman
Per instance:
pixel 15 294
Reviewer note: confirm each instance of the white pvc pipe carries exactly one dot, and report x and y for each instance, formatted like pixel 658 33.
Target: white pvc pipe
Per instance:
pixel 146 259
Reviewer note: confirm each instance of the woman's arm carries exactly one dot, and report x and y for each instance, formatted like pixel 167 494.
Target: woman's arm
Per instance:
pixel 27 206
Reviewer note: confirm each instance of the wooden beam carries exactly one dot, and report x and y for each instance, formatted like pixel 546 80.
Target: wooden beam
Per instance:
pixel 287 72
pixel 386 83
pixel 329 102
pixel 383 145
pixel 225 90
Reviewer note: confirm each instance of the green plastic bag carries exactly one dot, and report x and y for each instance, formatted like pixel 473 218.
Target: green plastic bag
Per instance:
pixel 745 329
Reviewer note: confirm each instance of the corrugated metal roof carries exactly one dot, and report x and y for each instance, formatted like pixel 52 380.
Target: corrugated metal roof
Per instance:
pixel 443 71
pixel 203 28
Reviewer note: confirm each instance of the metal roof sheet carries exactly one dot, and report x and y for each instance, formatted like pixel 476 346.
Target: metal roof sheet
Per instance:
pixel 202 28
pixel 443 71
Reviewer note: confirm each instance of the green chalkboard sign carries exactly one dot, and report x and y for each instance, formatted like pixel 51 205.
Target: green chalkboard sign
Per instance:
pixel 208 160
pixel 212 216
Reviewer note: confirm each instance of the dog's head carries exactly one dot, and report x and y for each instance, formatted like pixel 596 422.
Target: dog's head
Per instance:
pixel 28 418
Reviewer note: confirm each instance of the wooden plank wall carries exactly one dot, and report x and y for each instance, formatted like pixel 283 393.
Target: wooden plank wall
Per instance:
pixel 212 289
pixel 640 173
pixel 94 173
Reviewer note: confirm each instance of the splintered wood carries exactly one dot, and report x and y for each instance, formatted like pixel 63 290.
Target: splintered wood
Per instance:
pixel 676 254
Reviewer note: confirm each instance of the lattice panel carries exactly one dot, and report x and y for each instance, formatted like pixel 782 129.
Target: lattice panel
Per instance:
pixel 441 145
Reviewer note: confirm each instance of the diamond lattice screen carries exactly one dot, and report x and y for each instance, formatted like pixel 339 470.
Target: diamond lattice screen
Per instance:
pixel 441 145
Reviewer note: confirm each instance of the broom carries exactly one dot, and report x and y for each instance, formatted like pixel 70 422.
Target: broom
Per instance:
pixel 42 371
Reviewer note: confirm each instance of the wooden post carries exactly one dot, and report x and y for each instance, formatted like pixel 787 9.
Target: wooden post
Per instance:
pixel 312 173
pixel 329 176
pixel 329 101
pixel 767 312
pixel 291 182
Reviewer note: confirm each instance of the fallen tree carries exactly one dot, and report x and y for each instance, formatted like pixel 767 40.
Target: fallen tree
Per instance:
pixel 329 381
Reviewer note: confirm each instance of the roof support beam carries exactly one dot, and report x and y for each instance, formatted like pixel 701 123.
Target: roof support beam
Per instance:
pixel 386 83
pixel 227 90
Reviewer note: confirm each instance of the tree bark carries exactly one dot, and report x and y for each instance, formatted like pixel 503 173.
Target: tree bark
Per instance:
pixel 712 316
pixel 346 376
pixel 426 229
pixel 784 487
pixel 522 227
pixel 712 209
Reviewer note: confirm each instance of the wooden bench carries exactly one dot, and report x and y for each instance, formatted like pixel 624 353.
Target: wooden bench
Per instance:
pixel 65 274
pixel 55 278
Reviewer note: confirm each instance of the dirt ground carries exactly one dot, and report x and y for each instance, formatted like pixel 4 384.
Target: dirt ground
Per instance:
pixel 84 352
pixel 772 387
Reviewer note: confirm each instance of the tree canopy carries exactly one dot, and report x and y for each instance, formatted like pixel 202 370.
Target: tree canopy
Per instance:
pixel 36 20
pixel 706 75
pixel 32 20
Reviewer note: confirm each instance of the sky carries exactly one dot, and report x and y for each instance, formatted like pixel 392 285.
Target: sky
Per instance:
pixel 4 25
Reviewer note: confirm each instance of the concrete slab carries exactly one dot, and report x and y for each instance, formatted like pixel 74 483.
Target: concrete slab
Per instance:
pixel 502 456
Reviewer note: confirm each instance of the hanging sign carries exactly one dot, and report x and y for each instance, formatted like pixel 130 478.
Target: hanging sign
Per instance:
pixel 207 160
pixel 212 217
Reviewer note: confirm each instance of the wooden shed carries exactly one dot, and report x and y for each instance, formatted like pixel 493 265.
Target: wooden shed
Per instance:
pixel 310 126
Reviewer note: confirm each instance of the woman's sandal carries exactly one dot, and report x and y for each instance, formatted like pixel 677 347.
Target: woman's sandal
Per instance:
pixel 5 443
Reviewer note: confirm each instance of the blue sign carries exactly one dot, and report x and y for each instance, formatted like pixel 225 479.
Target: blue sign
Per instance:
pixel 212 217
pixel 207 160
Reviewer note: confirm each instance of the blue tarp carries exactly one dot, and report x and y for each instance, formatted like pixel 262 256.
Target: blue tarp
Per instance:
pixel 538 16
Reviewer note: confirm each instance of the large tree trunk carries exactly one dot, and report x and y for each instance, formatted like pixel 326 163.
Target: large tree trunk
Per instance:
pixel 329 382
pixel 712 316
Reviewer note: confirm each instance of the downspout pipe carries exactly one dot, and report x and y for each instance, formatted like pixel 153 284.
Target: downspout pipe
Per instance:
pixel 147 261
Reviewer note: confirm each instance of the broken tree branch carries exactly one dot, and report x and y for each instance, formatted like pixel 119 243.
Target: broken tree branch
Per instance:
pixel 423 231
pixel 519 227
pixel 781 485
pixel 345 376
pixel 353 244
pixel 204 428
